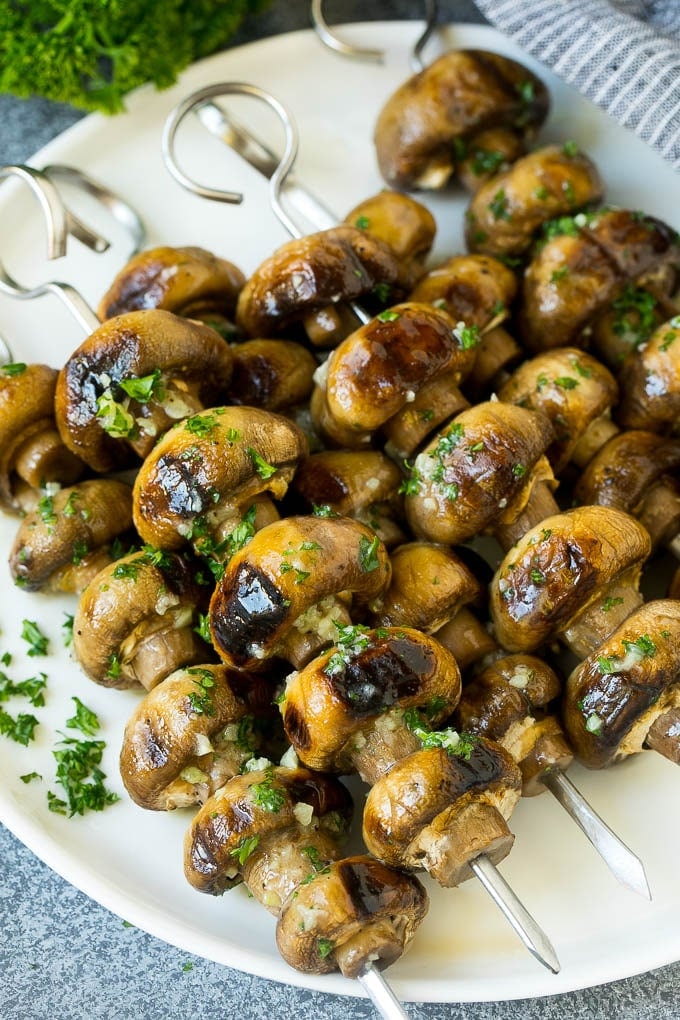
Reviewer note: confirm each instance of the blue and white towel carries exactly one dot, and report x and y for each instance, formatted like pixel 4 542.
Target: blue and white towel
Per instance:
pixel 624 55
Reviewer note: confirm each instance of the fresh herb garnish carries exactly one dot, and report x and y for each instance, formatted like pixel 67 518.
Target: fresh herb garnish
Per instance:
pixel 31 633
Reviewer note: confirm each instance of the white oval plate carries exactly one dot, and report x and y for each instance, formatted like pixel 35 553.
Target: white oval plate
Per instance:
pixel 131 860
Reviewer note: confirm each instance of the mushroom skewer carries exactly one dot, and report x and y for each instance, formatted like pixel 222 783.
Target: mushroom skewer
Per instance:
pixel 329 39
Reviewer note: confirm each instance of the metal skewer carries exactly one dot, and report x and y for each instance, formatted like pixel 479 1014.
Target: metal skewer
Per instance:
pixel 329 39
pixel 522 922
pixel 619 858
pixel 380 994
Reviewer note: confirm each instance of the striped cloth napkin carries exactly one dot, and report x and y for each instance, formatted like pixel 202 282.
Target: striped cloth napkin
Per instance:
pixel 624 55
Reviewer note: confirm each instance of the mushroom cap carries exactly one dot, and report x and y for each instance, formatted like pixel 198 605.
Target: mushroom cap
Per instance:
pixel 347 689
pixel 405 224
pixel 26 411
pixel 474 289
pixel 624 470
pixel 348 481
pixel 410 810
pixel 474 470
pixel 171 730
pixel 429 584
pixel 288 569
pixel 487 153
pixel 505 214
pixel 271 374
pixel 458 95
pixel 309 273
pixel 259 804
pixel 188 281
pixel 127 602
pixel 133 346
pixel 570 387
pixel 615 695
pixel 560 568
pixel 210 466
pixel 66 529
pixel 357 911
pixel 379 368
pixel 576 276
pixel 650 382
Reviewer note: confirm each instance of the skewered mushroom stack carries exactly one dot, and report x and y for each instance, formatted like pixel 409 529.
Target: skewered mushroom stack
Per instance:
pixel 213 427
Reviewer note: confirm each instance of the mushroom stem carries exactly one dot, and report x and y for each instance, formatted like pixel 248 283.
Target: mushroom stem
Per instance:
pixel 466 638
pixel 541 504
pixel 599 432
pixel 44 457
pixel 660 514
pixel 664 735
pixel 598 620
pixel 434 403
pixel 163 651
pixel 384 744
pixel 495 352
pixel 449 847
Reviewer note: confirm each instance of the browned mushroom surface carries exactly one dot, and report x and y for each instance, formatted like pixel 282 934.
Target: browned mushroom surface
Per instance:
pixel 260 820
pixel 189 281
pixel 346 710
pixel 507 211
pixel 626 695
pixel 354 913
pixel 32 453
pixel 191 734
pixel 272 374
pixel 135 622
pixel 206 473
pixel 406 225
pixel 441 807
pixel 286 591
pixel 488 153
pixel 474 289
pixel 574 575
pixel 67 539
pixel 650 382
pixel 305 275
pixel 422 129
pixel 131 379
pixel 630 321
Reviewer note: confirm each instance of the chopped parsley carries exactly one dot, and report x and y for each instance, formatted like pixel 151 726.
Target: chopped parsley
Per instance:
pixel 200 425
pixel 566 382
pixel 32 689
pixel 28 777
pixel 31 633
pixel 467 336
pixel 201 701
pixel 352 640
pixel 114 417
pixel 368 554
pixel 203 628
pixel 559 274
pixel 610 602
pixel 459 744
pixel 14 368
pixel 263 469
pixel 267 795
pixel 144 388
pixel 245 848
pixel 45 509
pixel 79 775
pixel 486 161
pixel 570 149
pixel 325 947
pixel 389 315
pixel 498 206
pixel 84 720
pixel 21 729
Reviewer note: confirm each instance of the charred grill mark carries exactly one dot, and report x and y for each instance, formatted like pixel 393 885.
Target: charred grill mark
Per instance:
pixel 366 892
pixel 184 484
pixel 253 381
pixel 296 728
pixel 247 612
pixel 382 676
pixel 156 752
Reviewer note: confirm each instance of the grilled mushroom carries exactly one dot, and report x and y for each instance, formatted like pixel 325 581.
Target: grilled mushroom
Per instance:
pixel 578 273
pixel 407 226
pixel 513 701
pixel 380 367
pixel 306 275
pixel 133 378
pixel 352 913
pixel 67 539
pixel 256 828
pixel 135 621
pixel 188 281
pixel 422 129
pixel 206 473
pixel 275 375
pixel 191 734
pixel 440 808
pixel 575 576
pixel 625 696
pixel 283 594
pixel 650 382
pixel 347 710
pixel 32 453
pixel 508 210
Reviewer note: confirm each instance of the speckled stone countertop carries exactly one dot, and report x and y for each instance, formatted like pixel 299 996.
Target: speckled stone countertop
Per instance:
pixel 63 957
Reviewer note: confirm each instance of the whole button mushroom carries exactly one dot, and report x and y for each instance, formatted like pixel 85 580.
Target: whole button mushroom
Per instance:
pixel 625 696
pixel 188 281
pixel 633 316
pixel 478 473
pixel 406 225
pixel 585 264
pixel 209 471
pixel 135 622
pixel 362 484
pixel 347 710
pixel 354 913
pixel 509 209
pixel 191 734
pixel 68 538
pixel 650 382
pixel 32 454
pixel 377 371
pixel 513 702
pixel 308 274
pixel 423 129
pixel 285 592
pixel 267 828
pixel 133 378
pixel 575 575
pixel 275 375
pixel 443 806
